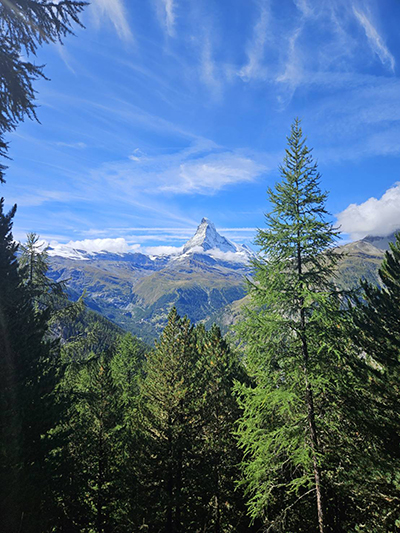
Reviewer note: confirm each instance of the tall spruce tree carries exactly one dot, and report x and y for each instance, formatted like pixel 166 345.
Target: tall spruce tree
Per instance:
pixel 27 379
pixel 221 368
pixel 171 396
pixel 377 317
pixel 292 419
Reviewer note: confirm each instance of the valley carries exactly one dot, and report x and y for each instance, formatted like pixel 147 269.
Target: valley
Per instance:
pixel 205 281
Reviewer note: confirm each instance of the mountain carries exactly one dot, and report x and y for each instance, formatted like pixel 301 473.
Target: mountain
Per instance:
pixel 360 260
pixel 205 281
pixel 137 291
pixel 380 242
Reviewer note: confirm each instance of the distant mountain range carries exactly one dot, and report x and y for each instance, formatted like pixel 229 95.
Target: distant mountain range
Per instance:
pixel 205 281
pixel 137 291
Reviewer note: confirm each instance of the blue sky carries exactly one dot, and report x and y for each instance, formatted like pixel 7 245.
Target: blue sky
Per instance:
pixel 161 112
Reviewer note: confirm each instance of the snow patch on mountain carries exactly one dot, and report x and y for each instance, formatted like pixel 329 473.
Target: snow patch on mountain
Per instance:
pixel 67 252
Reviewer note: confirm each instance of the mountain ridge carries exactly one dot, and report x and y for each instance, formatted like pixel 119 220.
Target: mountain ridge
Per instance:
pixel 205 280
pixel 206 240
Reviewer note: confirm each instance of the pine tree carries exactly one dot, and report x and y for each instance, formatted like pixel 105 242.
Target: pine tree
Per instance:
pixel 88 458
pixel 24 26
pixel 293 414
pixel 127 372
pixel 47 295
pixel 27 374
pixel 377 317
pixel 220 369
pixel 171 397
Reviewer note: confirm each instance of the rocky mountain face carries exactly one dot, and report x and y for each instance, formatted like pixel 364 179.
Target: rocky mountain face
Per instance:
pixel 137 291
pixel 206 281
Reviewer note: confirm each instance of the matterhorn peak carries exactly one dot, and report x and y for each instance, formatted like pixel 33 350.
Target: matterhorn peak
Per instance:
pixel 208 238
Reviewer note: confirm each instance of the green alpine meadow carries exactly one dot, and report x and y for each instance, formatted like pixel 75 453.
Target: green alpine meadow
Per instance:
pixel 160 375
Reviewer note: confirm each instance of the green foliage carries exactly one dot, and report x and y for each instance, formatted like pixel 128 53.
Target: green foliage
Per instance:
pixel 188 413
pixel 377 316
pixel 294 412
pixel 171 421
pixel 27 378
pixel 48 297
pixel 94 460
pixel 221 369
pixel 24 26
pixel 89 454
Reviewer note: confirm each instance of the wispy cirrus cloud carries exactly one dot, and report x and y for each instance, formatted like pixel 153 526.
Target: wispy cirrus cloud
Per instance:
pixel 208 68
pixel 76 145
pixel 292 59
pixel 201 168
pixel 255 67
pixel 167 10
pixel 304 7
pixel 115 11
pixel 374 39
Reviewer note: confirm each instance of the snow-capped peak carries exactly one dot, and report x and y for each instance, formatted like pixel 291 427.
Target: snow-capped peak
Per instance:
pixel 207 238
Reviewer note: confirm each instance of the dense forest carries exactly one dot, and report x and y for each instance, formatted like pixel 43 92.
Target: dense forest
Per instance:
pixel 290 425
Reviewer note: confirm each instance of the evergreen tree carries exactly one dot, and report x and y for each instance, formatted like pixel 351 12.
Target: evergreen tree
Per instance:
pixel 24 26
pixel 293 415
pixel 377 317
pixel 127 372
pixel 48 295
pixel 27 374
pixel 88 456
pixel 220 370
pixel 171 398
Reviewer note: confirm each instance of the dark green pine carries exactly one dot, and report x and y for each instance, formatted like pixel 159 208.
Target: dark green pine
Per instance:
pixel 27 374
pixel 171 418
pixel 377 317
pixel 221 369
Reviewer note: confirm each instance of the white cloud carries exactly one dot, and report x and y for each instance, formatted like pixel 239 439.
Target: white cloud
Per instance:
pixel 169 7
pixel 211 173
pixel 304 7
pixel 39 197
pixel 162 250
pixel 115 11
pixel 166 13
pixel 293 71
pixel 373 217
pixel 118 245
pixel 235 257
pixel 66 57
pixel 76 145
pixel 375 40
pixel 208 69
pixel 137 155
pixel 255 50
pixel 201 168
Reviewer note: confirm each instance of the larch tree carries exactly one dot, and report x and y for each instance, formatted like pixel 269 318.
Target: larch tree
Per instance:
pixel 291 427
pixel 47 295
